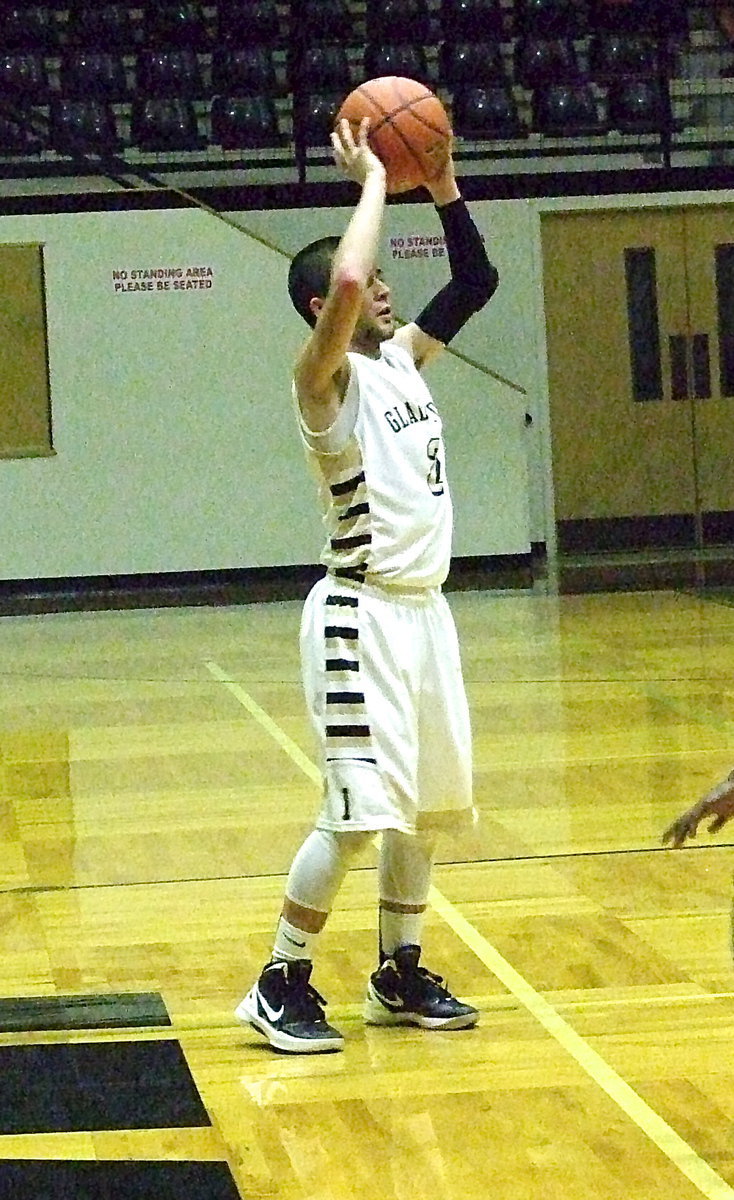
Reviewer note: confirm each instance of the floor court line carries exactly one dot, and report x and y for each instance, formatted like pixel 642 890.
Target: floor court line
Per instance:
pixel 663 1136
pixel 266 722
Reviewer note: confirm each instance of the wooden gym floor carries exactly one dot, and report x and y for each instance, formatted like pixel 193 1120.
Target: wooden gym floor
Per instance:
pixel 155 781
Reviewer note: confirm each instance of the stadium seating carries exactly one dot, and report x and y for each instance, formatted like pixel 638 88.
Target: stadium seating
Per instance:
pixel 486 112
pixel 244 70
pixel 24 76
pixel 639 106
pixel 244 22
pixel 541 61
pixel 566 110
pixel 470 20
pixel 175 26
pixel 89 74
pixel 244 122
pixel 392 59
pixel 465 64
pixel 165 123
pixel 102 27
pixel 84 126
pixel 174 73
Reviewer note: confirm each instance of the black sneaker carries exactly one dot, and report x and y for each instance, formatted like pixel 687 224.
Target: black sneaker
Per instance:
pixel 288 1011
pixel 402 993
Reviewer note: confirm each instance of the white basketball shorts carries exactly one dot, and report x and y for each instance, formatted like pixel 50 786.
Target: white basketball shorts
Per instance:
pixel 383 683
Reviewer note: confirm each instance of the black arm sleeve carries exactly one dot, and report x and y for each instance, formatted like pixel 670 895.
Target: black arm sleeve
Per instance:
pixel 473 278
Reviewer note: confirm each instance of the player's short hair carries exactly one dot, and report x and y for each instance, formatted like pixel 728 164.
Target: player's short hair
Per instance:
pixel 309 275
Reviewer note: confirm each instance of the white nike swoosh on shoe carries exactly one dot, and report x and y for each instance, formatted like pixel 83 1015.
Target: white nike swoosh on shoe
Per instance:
pixel 271 1013
pixel 394 1004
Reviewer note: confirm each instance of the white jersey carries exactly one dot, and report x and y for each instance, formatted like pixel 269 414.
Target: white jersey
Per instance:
pixel 382 479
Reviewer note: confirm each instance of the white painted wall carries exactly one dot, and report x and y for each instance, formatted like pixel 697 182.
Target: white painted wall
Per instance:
pixel 176 445
pixel 174 448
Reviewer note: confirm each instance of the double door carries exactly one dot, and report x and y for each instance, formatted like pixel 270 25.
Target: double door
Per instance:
pixel 640 333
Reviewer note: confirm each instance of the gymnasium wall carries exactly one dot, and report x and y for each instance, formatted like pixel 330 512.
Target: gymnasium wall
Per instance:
pixel 176 448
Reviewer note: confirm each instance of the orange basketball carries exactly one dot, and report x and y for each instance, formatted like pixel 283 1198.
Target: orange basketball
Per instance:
pixel 409 131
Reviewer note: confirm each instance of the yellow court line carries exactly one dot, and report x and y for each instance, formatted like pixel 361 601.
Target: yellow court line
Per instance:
pixel 587 759
pixel 286 744
pixel 662 1135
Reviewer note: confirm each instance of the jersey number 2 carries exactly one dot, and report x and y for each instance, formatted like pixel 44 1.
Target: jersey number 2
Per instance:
pixel 435 478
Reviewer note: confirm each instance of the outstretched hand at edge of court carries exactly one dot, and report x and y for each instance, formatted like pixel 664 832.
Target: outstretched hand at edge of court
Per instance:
pixel 718 804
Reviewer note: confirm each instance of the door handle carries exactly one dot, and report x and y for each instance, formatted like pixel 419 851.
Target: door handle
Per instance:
pixel 678 366
pixel 701 366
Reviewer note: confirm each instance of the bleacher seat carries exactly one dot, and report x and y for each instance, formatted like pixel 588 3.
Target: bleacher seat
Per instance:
pixel 245 122
pixel 615 54
pixel 545 60
pixel 639 16
pixel 408 59
pixel 471 64
pixel 165 123
pixel 80 127
pixel 24 75
pixel 321 67
pixel 169 73
pixel 472 20
pixel 314 117
pixel 102 27
pixel 181 25
pixel 486 112
pixel 85 74
pixel 16 138
pixel 244 70
pixel 551 18
pixel 399 21
pixel 639 106
pixel 28 28
pixel 244 22
pixel 566 110
pixel 327 21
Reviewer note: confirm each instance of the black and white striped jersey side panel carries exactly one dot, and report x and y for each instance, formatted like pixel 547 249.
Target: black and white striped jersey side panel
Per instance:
pixel 350 541
pixel 348 734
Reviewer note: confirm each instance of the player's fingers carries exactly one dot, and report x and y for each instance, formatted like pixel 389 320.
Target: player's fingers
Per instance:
pixel 337 139
pixel 347 134
pixel 717 823
pixel 677 833
pixel 363 131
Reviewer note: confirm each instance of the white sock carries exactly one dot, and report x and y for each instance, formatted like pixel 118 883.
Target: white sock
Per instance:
pixel 399 929
pixel 292 943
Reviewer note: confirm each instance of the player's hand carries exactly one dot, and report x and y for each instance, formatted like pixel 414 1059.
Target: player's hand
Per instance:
pixel 444 187
pixel 717 804
pixel 354 156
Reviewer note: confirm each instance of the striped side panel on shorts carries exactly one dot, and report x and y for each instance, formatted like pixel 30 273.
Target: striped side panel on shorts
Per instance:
pixel 347 729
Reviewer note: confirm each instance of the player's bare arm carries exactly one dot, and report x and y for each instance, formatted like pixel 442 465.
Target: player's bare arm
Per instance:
pixel 473 278
pixel 717 805
pixel 322 370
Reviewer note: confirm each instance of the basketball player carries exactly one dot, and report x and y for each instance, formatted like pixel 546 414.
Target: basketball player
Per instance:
pixel 380 657
pixel 717 804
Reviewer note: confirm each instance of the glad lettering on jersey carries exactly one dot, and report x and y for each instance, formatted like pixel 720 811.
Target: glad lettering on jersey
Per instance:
pixel 404 415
